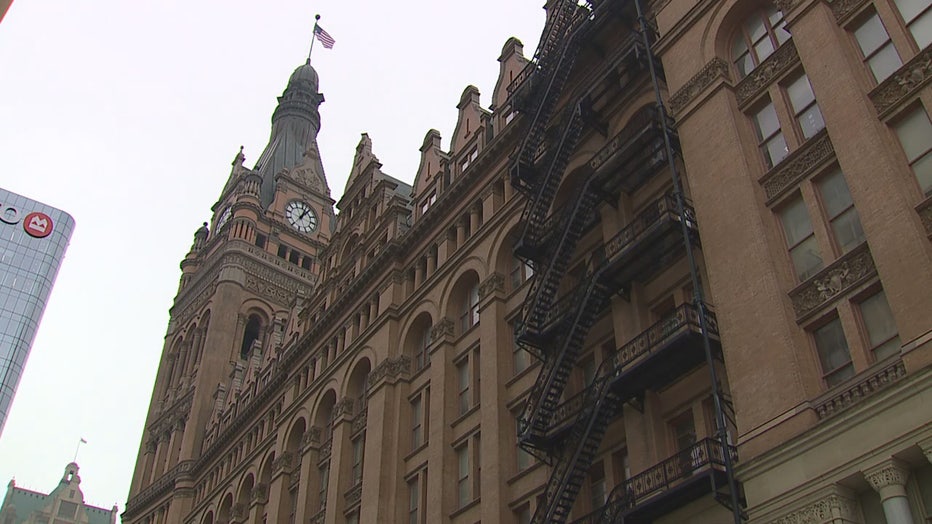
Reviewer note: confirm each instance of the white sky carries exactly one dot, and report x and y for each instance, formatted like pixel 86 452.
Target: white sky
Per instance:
pixel 127 114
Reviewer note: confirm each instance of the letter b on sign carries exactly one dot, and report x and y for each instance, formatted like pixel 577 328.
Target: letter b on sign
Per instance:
pixel 38 225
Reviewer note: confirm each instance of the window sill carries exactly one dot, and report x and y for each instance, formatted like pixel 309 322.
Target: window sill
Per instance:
pixel 464 416
pixel 414 452
pixel 524 472
pixel 466 507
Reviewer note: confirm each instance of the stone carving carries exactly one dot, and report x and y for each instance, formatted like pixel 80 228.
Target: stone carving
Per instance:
pixel 904 83
pixel 442 329
pixel 343 407
pixel 827 509
pixel 766 73
pixel 842 8
pixel 240 511
pixel 390 368
pixel 833 281
pixel 925 215
pixel 195 304
pixel 785 5
pixel 495 283
pixel 861 390
pixel 310 437
pixel 283 462
pixel 789 172
pixel 268 291
pixel 715 69
pixel 259 494
pixel 889 473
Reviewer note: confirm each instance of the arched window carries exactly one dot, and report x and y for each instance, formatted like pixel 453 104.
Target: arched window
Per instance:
pixel 760 35
pixel 250 335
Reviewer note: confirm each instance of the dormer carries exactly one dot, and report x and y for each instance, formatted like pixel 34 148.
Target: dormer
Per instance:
pixel 468 135
pixel 512 69
pixel 428 181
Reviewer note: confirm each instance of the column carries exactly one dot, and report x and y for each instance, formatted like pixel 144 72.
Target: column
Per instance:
pixel 508 190
pixel 474 213
pixel 431 260
pixel 889 480
pixel 460 231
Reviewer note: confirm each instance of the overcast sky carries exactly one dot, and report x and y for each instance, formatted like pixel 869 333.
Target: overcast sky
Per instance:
pixel 127 114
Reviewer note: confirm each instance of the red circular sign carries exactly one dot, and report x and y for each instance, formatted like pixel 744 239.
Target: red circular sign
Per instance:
pixel 37 224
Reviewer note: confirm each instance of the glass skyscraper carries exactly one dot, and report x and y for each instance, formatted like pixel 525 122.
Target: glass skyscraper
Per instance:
pixel 33 238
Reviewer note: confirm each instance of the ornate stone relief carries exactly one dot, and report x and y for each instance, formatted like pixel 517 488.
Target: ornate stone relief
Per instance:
pixel 442 329
pixel 789 172
pixel 344 406
pixel 890 473
pixel 833 281
pixel 842 8
pixel 260 494
pixel 860 391
pixel 904 83
pixel 833 508
pixel 715 69
pixel 282 463
pixel 390 369
pixel 495 283
pixel 785 5
pixel 311 437
pixel 766 73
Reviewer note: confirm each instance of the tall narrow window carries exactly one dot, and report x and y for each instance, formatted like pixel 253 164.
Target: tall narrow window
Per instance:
pixel 250 334
pixel 833 353
pixel 414 501
pixel 915 134
pixel 881 329
pixel 805 107
pixel 597 486
pixel 770 136
pixel 846 225
pixel 418 420
pixel 761 34
pixel 323 475
pixel 800 239
pixel 463 495
pixel 359 445
pixel 471 308
pixel 918 17
pixel 879 54
pixel 463 381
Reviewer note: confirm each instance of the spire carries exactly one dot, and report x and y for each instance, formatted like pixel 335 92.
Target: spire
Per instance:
pixel 295 124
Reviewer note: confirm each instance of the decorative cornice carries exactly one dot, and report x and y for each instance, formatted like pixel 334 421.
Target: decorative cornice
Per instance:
pixel 390 370
pixel 766 73
pixel 902 84
pixel 798 166
pixel 925 215
pixel 891 472
pixel 866 387
pixel 494 283
pixel 715 69
pixel 842 8
pixel 443 329
pixel 827 509
pixel 833 282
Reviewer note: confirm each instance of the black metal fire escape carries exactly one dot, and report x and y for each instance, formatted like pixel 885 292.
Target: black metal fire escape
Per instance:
pixel 555 330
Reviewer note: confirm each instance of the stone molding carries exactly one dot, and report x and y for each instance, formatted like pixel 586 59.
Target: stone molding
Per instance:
pixel 782 60
pixel 832 282
pixel 860 391
pixel 390 370
pixel 890 472
pixel 834 508
pixel 797 166
pixel 715 69
pixel 925 215
pixel 443 329
pixel 903 84
pixel 494 283
pixel 842 8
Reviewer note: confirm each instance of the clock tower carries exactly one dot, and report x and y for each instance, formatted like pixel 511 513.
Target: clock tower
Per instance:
pixel 242 287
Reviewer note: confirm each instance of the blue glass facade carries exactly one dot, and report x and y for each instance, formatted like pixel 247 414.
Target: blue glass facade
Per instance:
pixel 33 238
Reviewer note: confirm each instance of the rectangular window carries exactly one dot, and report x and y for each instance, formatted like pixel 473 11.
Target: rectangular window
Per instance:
pixel 800 239
pixel 879 54
pixel 358 451
pixel 418 420
pixel 463 382
pixel 523 514
pixel 260 240
pixel 282 250
pixel 353 518
pixel 471 309
pixel 463 491
pixel 414 501
pixel 597 486
pixel 915 134
pixel 846 225
pixel 522 359
pixel 294 257
pixel 918 17
pixel 881 329
pixel 770 136
pixel 323 476
pixel 833 353
pixel 805 107
pixel 429 201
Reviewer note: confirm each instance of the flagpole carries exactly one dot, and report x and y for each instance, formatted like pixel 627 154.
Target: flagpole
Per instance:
pixel 313 37
pixel 77 448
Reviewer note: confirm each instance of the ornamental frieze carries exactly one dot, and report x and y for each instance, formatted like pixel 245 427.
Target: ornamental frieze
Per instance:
pixel 767 73
pixel 268 291
pixel 442 329
pixel 829 509
pixel 834 281
pixel 495 283
pixel 194 305
pixel 390 369
pixel 860 391
pixel 904 83
pixel 715 69
pixel 842 8
pixel 788 173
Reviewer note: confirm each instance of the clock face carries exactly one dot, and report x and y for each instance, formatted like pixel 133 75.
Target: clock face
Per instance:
pixel 301 216
pixel 224 218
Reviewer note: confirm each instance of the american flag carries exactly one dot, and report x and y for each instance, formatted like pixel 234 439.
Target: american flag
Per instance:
pixel 324 37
